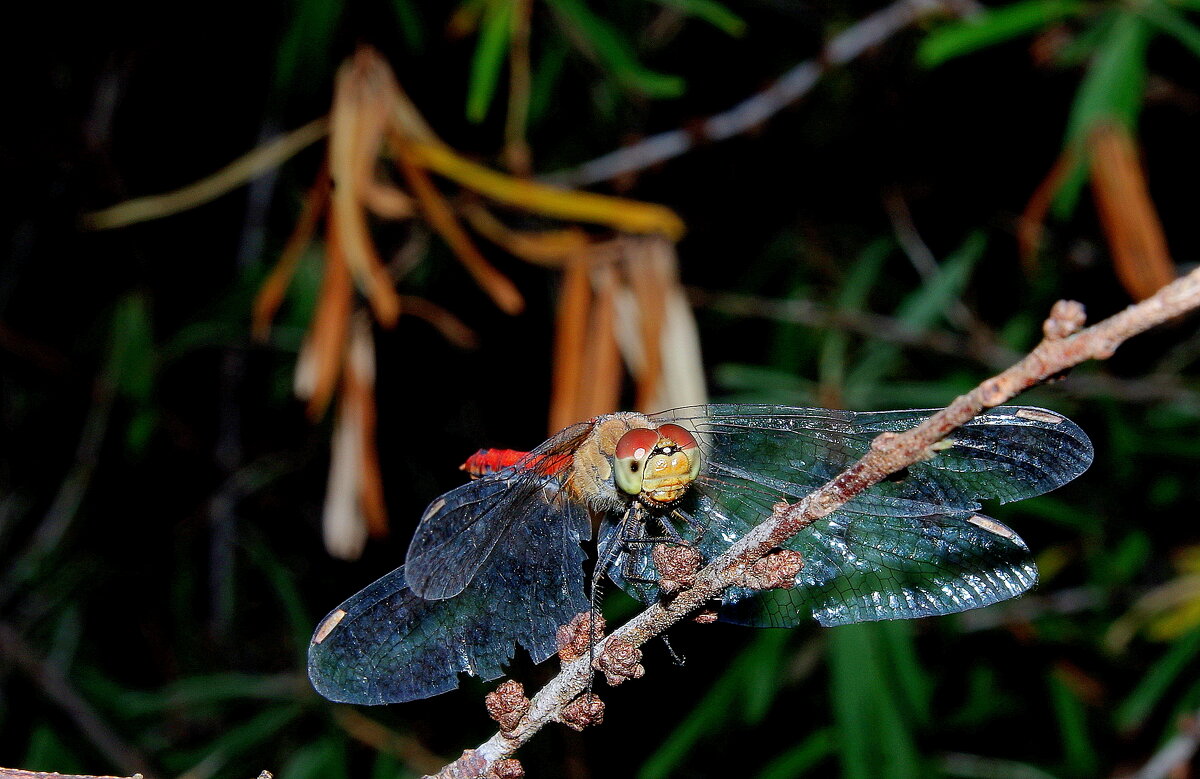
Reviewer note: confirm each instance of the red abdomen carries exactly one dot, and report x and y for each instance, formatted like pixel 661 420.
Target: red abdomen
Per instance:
pixel 488 461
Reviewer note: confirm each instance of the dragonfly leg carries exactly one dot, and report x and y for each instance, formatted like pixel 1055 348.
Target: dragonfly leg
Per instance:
pixel 632 534
pixel 639 536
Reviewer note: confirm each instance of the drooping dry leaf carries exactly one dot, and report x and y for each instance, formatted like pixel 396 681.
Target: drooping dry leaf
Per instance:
pixel 649 282
pixel 342 523
pixel 321 356
pixel 654 318
pixel 1131 223
pixel 570 339
pixel 683 381
pixel 359 394
pixel 600 390
pixel 362 108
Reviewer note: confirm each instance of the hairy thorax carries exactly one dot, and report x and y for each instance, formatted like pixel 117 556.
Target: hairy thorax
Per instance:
pixel 591 469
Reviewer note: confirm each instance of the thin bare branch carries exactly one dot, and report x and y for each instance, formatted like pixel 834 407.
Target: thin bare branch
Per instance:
pixel 757 109
pixel 17 773
pixel 1063 347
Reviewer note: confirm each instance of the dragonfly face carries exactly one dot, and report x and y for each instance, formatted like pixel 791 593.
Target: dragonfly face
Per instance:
pixel 656 465
pixel 497 563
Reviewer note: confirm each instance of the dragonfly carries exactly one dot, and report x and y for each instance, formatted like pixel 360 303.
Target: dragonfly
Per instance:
pixel 499 563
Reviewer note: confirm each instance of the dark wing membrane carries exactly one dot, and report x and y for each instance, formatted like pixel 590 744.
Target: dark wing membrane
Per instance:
pixel 909 547
pixel 460 530
pixel 876 558
pixel 390 645
pixel 1007 453
pixel 915 561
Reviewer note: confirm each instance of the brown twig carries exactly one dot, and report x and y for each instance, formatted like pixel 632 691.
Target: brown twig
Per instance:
pixel 757 109
pixel 1064 346
pixel 17 773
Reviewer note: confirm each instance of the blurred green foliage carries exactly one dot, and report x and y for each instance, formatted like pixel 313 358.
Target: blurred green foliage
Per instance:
pixel 154 475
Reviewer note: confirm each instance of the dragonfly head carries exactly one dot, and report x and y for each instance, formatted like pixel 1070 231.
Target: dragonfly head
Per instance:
pixel 656 465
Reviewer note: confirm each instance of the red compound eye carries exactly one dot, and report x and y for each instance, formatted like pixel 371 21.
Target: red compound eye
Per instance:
pixel 682 438
pixel 636 444
pixel 629 460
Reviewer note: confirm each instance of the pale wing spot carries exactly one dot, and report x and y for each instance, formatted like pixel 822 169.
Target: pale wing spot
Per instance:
pixel 1037 415
pixel 328 625
pixel 434 508
pixel 991 526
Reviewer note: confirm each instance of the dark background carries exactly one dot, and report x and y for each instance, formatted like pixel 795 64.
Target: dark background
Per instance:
pixel 160 491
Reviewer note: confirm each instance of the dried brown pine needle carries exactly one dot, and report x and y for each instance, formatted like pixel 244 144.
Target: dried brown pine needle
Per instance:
pixel 1032 222
pixel 440 216
pixel 359 393
pixel 570 341
pixel 552 248
pixel 600 388
pixel 271 293
pixel 245 168
pixel 649 284
pixel 1131 223
pixel 321 355
pixel 361 109
pixel 451 327
pixel 630 216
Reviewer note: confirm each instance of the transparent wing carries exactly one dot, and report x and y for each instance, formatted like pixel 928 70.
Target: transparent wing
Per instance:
pixel 387 644
pixel 1008 453
pixel 871 560
pixel 460 531
pixel 913 546
pixel 887 558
